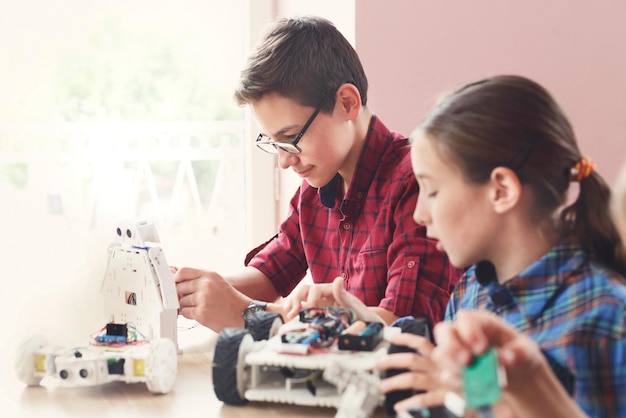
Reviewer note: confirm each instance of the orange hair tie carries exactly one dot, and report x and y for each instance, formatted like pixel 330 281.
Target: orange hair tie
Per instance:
pixel 582 169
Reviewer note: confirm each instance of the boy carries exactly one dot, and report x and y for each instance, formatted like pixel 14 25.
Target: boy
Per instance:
pixel 352 215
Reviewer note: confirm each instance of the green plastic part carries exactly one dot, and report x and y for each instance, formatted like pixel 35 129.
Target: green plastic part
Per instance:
pixel 482 381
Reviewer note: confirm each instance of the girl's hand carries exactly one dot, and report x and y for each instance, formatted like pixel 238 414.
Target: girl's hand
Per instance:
pixel 421 375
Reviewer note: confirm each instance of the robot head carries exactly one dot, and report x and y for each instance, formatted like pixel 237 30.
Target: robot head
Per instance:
pixel 136 233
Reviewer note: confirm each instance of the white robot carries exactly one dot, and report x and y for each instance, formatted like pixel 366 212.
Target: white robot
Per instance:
pixel 139 341
pixel 138 286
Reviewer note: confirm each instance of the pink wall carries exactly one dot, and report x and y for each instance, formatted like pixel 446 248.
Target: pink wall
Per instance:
pixel 414 50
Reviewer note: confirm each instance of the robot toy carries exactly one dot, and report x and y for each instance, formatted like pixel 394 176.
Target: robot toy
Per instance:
pixel 138 342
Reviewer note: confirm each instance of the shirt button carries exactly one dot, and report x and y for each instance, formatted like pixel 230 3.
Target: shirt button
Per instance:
pixel 346 226
pixel 359 195
pixel 410 264
pixel 344 275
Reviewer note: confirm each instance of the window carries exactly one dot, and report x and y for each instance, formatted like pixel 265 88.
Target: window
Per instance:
pixel 119 110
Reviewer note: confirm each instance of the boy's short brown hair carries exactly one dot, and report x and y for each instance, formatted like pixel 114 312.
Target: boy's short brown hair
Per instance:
pixel 305 59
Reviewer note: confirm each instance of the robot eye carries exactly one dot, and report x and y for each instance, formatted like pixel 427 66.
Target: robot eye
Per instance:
pixel 128 233
pixel 119 232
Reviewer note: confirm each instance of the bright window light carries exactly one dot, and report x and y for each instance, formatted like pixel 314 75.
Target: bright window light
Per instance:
pixel 118 110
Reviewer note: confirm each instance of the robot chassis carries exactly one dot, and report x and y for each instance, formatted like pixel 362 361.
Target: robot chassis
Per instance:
pixel 324 358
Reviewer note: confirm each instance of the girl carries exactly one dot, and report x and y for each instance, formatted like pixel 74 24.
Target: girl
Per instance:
pixel 509 193
pixel 532 388
pixel 506 191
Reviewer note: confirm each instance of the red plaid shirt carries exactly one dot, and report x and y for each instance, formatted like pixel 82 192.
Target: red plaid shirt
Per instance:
pixel 369 237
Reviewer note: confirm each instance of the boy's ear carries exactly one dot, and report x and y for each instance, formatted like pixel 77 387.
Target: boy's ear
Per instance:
pixel 506 189
pixel 349 100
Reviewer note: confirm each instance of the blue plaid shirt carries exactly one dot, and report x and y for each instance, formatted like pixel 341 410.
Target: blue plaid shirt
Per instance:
pixel 575 309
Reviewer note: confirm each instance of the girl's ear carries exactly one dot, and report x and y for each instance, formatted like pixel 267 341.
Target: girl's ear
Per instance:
pixel 506 189
pixel 348 99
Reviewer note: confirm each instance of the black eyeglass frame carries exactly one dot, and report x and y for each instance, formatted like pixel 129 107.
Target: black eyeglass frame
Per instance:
pixel 290 147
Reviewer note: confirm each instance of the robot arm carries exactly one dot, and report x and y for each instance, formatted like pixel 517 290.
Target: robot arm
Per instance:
pixel 143 235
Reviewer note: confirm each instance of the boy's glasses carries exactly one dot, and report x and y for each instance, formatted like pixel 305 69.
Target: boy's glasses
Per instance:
pixel 268 145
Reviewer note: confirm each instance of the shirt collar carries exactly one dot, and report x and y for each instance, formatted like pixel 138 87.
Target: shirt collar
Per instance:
pixel 376 143
pixel 329 192
pixel 533 289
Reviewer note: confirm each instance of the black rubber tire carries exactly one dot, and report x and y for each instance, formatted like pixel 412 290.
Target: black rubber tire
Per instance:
pixel 413 326
pixel 264 324
pixel 225 364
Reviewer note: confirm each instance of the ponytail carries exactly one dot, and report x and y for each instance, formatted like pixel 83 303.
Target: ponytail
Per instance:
pixel 594 227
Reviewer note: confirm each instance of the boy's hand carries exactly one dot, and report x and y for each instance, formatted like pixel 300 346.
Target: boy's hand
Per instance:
pixel 327 294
